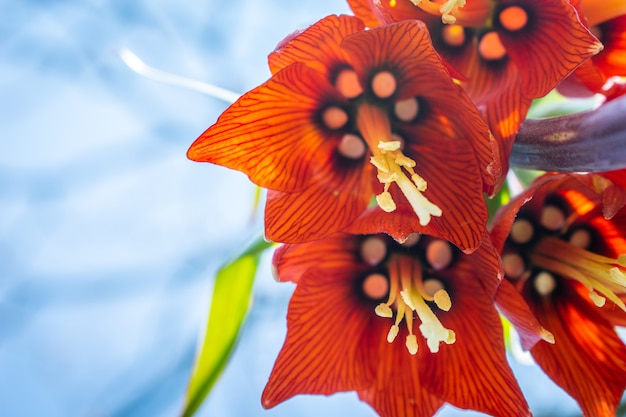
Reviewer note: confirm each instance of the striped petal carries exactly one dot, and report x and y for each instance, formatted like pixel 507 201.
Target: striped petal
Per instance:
pixel 588 359
pixel 336 252
pixel 273 133
pixel 336 197
pixel 316 46
pixel 488 384
pixel 405 49
pixel 324 351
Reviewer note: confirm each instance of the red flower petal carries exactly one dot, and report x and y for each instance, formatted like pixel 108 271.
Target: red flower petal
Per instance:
pixel 503 220
pixel 332 201
pixel 513 306
pixel 488 385
pixel 588 360
pixel 271 133
pixel 455 225
pixel 405 49
pixel 612 60
pixel 323 352
pixel 551 46
pixel 397 390
pixel 336 252
pixel 316 46
pixel 367 11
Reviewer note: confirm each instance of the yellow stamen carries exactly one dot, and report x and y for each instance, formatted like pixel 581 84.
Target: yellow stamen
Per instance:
pixel 406 273
pixel 392 165
pixel 604 277
pixel 448 9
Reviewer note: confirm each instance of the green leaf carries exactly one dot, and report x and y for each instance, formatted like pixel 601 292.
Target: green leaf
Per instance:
pixel 232 295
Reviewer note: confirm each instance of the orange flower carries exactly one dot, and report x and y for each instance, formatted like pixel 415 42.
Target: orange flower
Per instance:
pixel 409 326
pixel 568 264
pixel 352 114
pixel 509 52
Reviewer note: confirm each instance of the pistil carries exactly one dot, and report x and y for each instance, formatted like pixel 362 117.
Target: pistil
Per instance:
pixel 603 276
pixel 392 165
pixel 405 275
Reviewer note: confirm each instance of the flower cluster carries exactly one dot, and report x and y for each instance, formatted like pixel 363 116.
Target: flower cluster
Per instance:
pixel 378 137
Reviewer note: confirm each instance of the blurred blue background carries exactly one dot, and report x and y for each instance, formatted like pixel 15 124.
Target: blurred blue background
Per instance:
pixel 109 236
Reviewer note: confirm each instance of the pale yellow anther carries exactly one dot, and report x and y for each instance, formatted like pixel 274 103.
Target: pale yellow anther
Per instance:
pixel 390 146
pixel 380 162
pixel 406 297
pixel 435 333
pixel 411 344
pixel 547 336
pixel 419 182
pixel 383 310
pixel 387 177
pixel 393 332
pixel 618 276
pixel 597 299
pixel 404 161
pixel 451 338
pixel 447 9
pixel 385 201
pixel 442 299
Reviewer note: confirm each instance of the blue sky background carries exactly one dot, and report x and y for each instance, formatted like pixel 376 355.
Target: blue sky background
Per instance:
pixel 109 236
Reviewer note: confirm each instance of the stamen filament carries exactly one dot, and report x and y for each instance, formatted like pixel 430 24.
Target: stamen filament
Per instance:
pixel 405 277
pixel 393 166
pixel 598 273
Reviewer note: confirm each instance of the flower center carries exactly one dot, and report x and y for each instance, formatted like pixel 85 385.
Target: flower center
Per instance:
pixel 514 266
pixel 373 250
pixel 513 18
pixel 552 218
pixel 347 83
pixel 522 231
pixel 352 146
pixel 406 110
pixel 334 118
pixel 453 35
pixel 603 277
pixel 490 47
pixel 408 293
pixel 439 254
pixel 375 286
pixel 392 165
pixel 580 238
pixel 384 84
pixel 544 283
